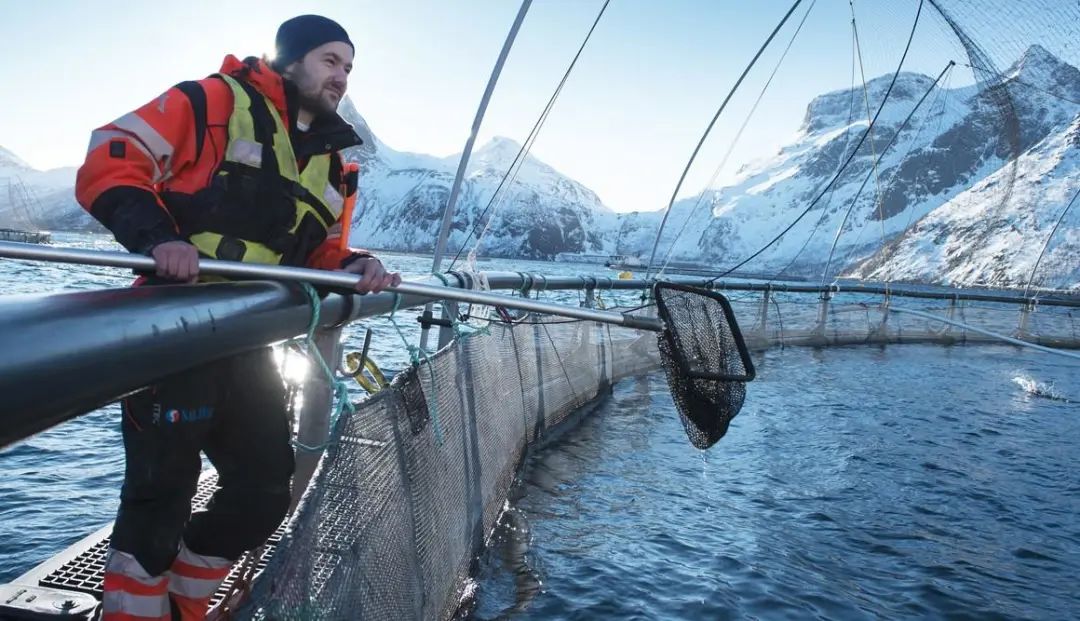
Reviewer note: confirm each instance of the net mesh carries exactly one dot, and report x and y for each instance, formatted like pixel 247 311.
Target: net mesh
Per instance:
pixel 394 519
pixel 805 319
pixel 705 361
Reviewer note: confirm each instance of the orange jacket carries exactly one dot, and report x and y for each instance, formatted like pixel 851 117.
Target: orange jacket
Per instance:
pixel 176 143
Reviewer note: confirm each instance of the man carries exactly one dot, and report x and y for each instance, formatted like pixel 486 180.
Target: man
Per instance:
pixel 244 166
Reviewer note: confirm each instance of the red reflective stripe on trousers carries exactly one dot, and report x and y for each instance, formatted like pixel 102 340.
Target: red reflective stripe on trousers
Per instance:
pixel 120 582
pixel 194 578
pixel 181 568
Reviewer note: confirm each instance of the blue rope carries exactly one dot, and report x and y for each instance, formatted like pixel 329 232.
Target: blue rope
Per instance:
pixel 341 389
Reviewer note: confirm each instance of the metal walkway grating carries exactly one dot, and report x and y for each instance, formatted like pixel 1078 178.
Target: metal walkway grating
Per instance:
pixel 85 571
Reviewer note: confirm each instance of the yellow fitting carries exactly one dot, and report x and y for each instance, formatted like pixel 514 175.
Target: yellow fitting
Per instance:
pixel 374 383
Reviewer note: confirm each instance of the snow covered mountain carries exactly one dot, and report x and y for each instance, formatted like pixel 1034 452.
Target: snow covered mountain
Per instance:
pixel 34 199
pixel 999 229
pixel 402 196
pixel 976 239
pixel 952 166
pixel 11 163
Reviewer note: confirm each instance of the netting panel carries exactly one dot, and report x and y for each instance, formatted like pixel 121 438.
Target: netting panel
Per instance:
pixel 394 518
pixel 852 319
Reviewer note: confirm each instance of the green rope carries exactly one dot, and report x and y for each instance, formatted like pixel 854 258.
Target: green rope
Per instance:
pixel 461 329
pixel 526 284
pixel 341 389
pixel 414 355
pixel 453 320
pixel 537 292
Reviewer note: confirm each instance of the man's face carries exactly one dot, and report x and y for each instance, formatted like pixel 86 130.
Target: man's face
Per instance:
pixel 322 77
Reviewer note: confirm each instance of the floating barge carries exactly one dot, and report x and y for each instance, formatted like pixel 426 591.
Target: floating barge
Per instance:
pixel 26 237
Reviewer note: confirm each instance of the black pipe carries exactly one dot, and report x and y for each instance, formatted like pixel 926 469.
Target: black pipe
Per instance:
pixel 68 354
pixel 512 280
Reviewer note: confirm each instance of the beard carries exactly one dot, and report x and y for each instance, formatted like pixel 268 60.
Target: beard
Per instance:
pixel 315 96
pixel 321 102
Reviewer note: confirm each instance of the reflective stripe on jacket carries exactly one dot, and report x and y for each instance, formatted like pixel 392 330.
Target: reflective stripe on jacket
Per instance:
pixel 138 166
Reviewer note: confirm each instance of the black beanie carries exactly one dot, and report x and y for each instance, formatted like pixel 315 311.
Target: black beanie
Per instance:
pixel 299 35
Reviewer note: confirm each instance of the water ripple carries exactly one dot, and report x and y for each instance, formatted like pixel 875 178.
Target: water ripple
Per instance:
pixel 859 498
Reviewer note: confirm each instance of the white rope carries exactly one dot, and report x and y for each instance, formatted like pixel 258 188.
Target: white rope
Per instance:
pixel 869 119
pixel 735 142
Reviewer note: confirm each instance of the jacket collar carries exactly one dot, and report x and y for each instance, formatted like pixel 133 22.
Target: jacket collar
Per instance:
pixel 257 73
pixel 328 133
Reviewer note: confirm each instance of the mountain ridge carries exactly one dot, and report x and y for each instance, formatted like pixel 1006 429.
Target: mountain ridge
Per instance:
pixel 964 144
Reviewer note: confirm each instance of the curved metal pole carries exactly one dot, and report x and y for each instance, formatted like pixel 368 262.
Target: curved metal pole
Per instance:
pixel 735 141
pixel 851 207
pixel 1031 278
pixel 523 152
pixel 693 156
pixel 851 156
pixel 448 213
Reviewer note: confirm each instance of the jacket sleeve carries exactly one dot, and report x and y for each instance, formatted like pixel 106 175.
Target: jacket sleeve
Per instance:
pixel 330 255
pixel 125 164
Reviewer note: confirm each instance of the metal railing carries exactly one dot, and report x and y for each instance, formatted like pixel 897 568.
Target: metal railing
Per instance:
pixel 107 344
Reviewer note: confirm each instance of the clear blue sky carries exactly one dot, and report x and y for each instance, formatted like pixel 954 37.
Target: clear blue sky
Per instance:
pixel 642 93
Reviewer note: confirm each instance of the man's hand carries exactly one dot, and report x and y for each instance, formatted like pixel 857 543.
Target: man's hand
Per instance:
pixel 176 260
pixel 374 277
